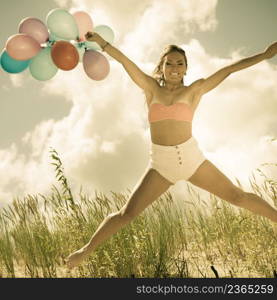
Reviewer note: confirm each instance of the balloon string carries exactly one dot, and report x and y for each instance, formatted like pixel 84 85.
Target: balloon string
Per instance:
pixel 81 44
pixel 50 43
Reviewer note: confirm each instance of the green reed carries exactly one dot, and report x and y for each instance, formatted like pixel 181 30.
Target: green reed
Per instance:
pixel 195 237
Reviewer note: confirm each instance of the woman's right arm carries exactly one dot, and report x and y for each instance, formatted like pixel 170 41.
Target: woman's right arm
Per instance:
pixel 143 80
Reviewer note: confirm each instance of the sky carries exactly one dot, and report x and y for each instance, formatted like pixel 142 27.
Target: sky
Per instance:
pixel 100 128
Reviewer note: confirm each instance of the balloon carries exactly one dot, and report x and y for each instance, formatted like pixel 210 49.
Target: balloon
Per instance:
pixel 34 28
pixel 11 65
pixel 54 38
pixel 84 23
pixel 105 32
pixel 64 55
pixel 22 46
pixel 95 65
pixel 42 66
pixel 62 24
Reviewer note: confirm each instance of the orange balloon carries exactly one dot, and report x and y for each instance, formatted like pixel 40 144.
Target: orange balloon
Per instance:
pixel 65 56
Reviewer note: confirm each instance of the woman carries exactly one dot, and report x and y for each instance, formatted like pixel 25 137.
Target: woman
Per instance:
pixel 174 152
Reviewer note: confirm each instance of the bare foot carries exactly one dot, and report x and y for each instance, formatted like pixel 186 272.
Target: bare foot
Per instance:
pixel 74 259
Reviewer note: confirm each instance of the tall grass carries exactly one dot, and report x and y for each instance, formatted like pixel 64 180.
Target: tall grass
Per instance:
pixel 169 239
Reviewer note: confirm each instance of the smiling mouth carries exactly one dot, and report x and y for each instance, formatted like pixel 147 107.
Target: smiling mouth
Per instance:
pixel 174 74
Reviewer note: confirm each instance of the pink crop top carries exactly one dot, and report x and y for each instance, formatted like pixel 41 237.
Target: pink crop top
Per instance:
pixel 177 111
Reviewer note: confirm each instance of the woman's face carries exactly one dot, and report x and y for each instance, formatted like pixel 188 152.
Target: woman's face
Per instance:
pixel 174 67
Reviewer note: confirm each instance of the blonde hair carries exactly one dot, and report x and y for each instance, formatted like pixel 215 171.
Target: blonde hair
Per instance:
pixel 158 72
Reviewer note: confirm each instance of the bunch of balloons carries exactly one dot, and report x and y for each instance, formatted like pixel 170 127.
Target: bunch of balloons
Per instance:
pixel 59 45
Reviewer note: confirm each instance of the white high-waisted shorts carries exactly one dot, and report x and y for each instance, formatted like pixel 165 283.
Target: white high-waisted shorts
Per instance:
pixel 178 162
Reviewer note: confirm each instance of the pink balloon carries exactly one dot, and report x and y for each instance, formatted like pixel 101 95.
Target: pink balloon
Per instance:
pixel 35 28
pixel 22 46
pixel 95 65
pixel 84 23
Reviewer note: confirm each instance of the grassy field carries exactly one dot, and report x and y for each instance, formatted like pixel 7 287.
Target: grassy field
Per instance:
pixel 169 239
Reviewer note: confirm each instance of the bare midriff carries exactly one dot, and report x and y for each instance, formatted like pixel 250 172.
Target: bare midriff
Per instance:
pixel 170 132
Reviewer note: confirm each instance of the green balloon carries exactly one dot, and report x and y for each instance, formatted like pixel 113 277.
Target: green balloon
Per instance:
pixel 92 45
pixel 54 38
pixel 105 32
pixel 62 24
pixel 42 67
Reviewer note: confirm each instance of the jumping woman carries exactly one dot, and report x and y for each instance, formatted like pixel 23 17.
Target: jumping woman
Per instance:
pixel 175 154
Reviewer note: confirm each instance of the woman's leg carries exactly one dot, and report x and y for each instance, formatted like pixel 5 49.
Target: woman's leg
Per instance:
pixel 152 186
pixel 209 178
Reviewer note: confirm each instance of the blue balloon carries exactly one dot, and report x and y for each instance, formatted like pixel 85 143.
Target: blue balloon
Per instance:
pixel 11 65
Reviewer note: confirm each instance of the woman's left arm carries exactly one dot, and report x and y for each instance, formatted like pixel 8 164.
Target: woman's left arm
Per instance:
pixel 215 79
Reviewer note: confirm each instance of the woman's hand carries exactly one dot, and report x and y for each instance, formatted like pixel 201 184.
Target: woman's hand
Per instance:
pixel 91 36
pixel 271 51
pixel 95 37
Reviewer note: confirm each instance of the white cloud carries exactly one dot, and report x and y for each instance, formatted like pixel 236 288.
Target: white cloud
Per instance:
pixel 105 130
pixel 126 16
pixel 17 79
pixel 233 120
pixel 21 176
